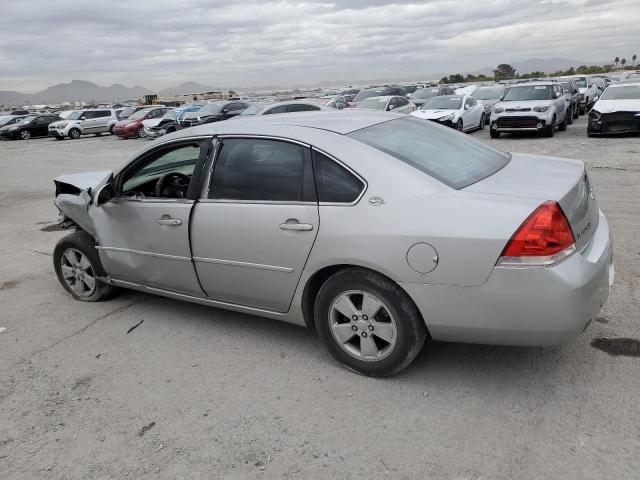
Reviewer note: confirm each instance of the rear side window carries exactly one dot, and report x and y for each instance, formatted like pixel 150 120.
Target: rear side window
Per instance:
pixel 278 109
pixel 456 160
pixel 302 107
pixel 262 170
pixel 334 183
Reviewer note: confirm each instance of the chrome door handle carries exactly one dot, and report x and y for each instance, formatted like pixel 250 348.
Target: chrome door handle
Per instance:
pixel 174 222
pixel 296 227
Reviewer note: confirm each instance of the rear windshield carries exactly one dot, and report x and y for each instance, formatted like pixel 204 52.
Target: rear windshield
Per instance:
pixel 631 92
pixel 425 93
pixel 443 103
pixel 456 160
pixel 374 103
pixel 374 92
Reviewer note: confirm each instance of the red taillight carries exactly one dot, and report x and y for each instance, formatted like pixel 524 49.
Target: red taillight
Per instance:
pixel 544 234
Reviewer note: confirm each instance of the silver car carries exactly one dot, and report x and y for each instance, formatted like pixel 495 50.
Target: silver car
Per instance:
pixel 387 103
pixel 378 230
pixel 84 122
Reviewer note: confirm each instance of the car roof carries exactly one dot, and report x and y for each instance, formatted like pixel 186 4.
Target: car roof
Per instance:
pixel 625 84
pixel 536 84
pixel 339 121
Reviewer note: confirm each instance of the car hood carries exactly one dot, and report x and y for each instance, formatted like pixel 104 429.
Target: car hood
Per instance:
pixel 489 103
pixel 84 180
pixel 62 122
pixel 151 122
pixel 432 114
pixel 623 105
pixel 124 123
pixel 523 103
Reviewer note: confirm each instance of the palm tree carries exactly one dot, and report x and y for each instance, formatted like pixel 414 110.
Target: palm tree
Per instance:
pixel 617 59
pixel 623 61
pixel 634 59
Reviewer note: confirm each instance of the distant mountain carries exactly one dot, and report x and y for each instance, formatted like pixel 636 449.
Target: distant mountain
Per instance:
pixel 185 88
pixel 76 90
pixel 547 65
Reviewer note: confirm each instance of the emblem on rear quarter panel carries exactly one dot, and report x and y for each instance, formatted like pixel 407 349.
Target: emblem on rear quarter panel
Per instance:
pixel 376 201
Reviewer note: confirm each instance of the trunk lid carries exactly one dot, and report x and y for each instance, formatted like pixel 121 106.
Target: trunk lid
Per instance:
pixel 547 178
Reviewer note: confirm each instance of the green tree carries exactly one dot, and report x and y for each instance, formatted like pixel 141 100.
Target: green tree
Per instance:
pixel 504 71
pixel 616 60
pixel 634 58
pixel 623 61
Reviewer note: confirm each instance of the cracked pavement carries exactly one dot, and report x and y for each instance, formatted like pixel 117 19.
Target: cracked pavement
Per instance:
pixel 196 392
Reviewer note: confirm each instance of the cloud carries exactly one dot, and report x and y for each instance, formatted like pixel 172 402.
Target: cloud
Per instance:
pixel 223 43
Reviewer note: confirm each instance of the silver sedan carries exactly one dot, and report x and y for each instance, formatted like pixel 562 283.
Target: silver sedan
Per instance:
pixel 377 230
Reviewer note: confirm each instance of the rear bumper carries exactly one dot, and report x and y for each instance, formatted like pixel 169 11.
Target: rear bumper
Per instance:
pixel 523 306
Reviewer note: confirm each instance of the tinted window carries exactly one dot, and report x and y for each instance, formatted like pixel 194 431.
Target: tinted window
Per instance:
pixel 334 183
pixel 235 106
pixel 455 160
pixel 533 92
pixel 267 170
pixel 103 113
pixel 425 93
pixel 302 107
pixel 278 109
pixel 402 102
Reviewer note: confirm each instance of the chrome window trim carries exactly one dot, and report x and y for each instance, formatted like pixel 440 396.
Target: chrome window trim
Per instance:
pixel 235 263
pixel 350 170
pixel 144 254
pixel 153 200
pixel 256 202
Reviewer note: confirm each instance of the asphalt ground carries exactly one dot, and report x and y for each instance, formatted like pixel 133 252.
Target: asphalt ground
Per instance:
pixel 197 392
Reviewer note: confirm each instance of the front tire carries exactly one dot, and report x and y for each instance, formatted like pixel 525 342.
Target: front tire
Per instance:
pixel 25 134
pixel 74 134
pixel 569 116
pixel 141 133
pixel 494 133
pixel 459 125
pixel 77 266
pixel 563 126
pixel 482 122
pixel 368 323
pixel 550 130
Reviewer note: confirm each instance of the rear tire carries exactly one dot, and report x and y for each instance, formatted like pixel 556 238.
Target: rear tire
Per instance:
pixel 494 133
pixel 77 266
pixel 356 344
pixel 576 111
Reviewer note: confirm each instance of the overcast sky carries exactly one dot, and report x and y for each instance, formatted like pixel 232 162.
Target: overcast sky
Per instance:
pixel 223 43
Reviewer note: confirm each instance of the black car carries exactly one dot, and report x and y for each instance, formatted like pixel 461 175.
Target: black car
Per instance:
pixel 570 88
pixel 421 95
pixel 378 92
pixel 28 127
pixel 214 112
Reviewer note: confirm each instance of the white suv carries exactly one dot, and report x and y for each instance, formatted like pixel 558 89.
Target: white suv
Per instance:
pixel 84 122
pixel 531 106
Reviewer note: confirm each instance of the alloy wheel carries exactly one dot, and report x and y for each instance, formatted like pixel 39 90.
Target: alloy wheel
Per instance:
pixel 362 325
pixel 77 272
pixel 25 135
pixel 75 134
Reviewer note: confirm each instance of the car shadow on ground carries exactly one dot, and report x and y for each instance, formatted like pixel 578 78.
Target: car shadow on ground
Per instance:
pixel 437 363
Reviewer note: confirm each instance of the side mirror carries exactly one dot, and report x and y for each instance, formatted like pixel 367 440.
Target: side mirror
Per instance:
pixel 466 106
pixel 341 105
pixel 106 193
pixel 390 107
pixel 558 94
pixel 83 118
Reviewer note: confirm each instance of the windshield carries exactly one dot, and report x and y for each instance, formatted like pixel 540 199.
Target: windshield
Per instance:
pixel 212 108
pixel 127 111
pixel 443 103
pixel 170 115
pixel 456 160
pixel 374 92
pixel 531 92
pixel 630 92
pixel 253 110
pixel 140 114
pixel 581 81
pixel 27 119
pixel 425 93
pixel 410 88
pixel 487 94
pixel 566 87
pixel 75 115
pixel 373 103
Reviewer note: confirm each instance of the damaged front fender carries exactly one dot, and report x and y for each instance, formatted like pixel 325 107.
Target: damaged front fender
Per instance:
pixel 74 196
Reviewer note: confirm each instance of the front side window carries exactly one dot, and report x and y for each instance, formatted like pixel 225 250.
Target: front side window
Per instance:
pixel 334 183
pixel 165 173
pixel 456 160
pixel 262 170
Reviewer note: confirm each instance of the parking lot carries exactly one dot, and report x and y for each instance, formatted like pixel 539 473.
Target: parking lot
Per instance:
pixel 196 392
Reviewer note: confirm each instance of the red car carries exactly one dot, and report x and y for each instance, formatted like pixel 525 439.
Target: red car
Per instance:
pixel 131 127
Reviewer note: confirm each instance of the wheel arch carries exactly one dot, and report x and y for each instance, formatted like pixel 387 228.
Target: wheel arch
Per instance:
pixel 315 282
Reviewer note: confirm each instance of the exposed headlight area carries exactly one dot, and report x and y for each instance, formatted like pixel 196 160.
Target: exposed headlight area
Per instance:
pixel 498 109
pixel 447 118
pixel 595 115
pixel 541 108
